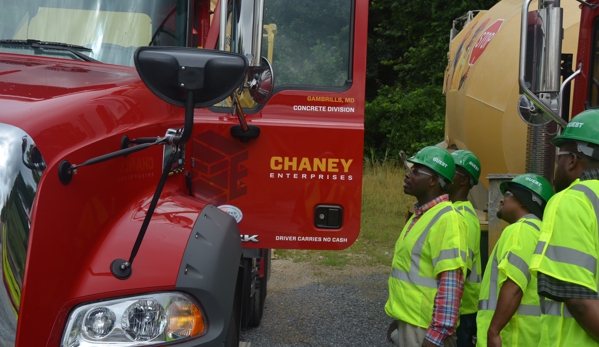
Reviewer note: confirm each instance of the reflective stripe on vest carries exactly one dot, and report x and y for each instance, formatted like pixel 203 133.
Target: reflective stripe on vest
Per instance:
pixel 532 216
pixel 554 308
pixel 474 277
pixel 569 255
pixel 462 207
pixel 414 275
pixel 520 264
pixel 448 254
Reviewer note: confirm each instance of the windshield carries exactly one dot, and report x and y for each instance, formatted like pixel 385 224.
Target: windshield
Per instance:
pixel 111 29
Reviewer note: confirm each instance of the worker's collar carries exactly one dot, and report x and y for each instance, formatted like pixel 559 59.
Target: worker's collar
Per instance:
pixel 592 174
pixel 419 210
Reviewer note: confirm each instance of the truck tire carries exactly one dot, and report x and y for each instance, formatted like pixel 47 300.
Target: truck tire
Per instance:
pixel 247 303
pixel 257 304
pixel 257 309
pixel 234 330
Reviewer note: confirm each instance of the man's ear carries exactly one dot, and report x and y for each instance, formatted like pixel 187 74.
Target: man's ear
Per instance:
pixel 573 163
pixel 433 181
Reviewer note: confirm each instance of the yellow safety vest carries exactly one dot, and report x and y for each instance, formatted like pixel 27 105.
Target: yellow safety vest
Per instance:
pixel 551 322
pixel 436 243
pixel 472 285
pixel 510 259
pixel 567 250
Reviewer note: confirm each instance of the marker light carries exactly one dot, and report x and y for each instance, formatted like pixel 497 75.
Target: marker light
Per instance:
pixel 143 320
pixel 184 320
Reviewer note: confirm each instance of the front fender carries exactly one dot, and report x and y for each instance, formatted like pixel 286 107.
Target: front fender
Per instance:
pixel 209 271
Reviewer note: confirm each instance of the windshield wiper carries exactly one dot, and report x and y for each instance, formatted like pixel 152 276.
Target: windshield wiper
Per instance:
pixel 74 49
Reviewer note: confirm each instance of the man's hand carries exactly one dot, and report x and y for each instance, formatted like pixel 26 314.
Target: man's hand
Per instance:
pixel 493 339
pixel 392 327
pixel 427 343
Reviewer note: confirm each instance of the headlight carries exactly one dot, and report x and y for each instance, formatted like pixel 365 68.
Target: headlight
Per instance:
pixel 134 321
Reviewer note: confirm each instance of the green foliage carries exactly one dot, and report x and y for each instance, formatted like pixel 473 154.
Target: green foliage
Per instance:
pixel 407 55
pixel 404 120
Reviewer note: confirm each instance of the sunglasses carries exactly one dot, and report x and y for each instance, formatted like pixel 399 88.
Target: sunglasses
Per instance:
pixel 419 171
pixel 569 153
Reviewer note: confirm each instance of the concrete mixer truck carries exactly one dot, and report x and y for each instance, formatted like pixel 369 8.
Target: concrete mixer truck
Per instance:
pixel 486 78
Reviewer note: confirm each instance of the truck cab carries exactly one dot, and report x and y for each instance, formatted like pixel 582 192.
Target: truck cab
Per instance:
pixel 151 157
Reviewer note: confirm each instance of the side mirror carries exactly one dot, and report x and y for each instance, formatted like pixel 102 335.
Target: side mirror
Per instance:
pixel 260 81
pixel 172 72
pixel 540 58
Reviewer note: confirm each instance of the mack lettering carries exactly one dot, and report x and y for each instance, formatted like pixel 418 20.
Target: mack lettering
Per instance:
pixel 249 238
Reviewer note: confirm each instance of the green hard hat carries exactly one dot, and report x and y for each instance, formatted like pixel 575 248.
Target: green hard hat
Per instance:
pixel 532 182
pixel 467 161
pixel 584 127
pixel 436 159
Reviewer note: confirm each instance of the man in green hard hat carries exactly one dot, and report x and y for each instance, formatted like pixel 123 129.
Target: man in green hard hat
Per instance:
pixel 429 263
pixel 466 176
pixel 509 310
pixel 566 260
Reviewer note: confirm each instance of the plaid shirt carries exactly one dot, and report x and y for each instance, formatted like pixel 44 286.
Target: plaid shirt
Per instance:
pixel 557 290
pixel 450 287
pixel 447 306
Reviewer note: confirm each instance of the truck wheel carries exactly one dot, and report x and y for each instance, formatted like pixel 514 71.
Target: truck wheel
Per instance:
pixel 234 332
pixel 247 301
pixel 257 308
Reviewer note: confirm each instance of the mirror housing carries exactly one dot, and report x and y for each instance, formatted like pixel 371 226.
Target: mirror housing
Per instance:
pixel 171 72
pixel 261 82
pixel 538 75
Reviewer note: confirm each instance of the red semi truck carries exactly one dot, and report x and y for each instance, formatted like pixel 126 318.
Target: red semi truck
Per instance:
pixel 153 152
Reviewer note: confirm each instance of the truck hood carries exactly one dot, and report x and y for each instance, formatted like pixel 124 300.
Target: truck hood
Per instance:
pixel 37 79
pixel 65 105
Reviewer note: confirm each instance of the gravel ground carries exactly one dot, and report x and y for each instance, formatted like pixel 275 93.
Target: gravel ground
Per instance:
pixel 310 305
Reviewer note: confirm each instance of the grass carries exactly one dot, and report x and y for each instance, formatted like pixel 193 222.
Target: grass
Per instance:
pixel 384 205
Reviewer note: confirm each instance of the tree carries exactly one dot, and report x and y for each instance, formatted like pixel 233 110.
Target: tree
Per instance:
pixel 407 55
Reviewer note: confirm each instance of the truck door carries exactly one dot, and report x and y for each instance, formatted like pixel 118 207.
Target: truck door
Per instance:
pixel 295 180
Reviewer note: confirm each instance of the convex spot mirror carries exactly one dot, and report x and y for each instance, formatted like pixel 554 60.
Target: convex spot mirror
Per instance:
pixel 169 72
pixel 530 113
pixel 260 81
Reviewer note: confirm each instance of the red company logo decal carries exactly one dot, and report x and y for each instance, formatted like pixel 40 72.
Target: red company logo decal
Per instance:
pixel 483 41
pixel 217 168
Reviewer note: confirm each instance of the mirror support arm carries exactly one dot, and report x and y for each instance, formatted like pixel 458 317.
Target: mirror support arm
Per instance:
pixel 591 6
pixel 524 25
pixel 121 268
pixel 239 111
pixel 565 83
pixel 188 127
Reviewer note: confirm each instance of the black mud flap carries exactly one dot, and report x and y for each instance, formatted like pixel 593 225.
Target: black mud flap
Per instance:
pixel 209 271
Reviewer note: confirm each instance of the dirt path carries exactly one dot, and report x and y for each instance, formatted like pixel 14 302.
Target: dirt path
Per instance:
pixel 310 305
